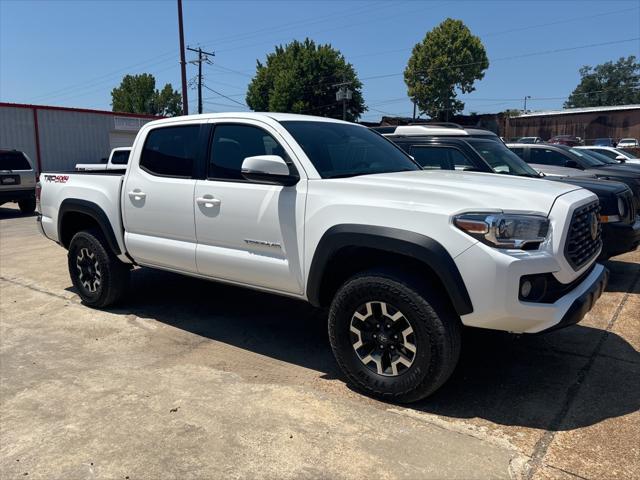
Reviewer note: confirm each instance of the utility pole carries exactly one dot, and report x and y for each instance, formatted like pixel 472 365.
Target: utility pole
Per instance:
pixel 414 109
pixel 343 94
pixel 525 102
pixel 183 64
pixel 202 58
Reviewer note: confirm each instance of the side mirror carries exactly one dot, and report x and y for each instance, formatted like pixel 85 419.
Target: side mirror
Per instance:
pixel 573 164
pixel 269 169
pixel 621 158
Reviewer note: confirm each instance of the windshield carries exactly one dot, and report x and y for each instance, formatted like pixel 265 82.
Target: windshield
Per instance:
pixel 501 159
pixel 587 158
pixel 341 150
pixel 13 161
pixel 626 153
pixel 596 156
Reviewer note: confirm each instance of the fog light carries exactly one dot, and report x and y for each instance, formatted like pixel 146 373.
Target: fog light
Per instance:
pixel 533 287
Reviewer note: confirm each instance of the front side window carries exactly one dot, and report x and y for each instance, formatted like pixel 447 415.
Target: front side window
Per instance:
pixel 440 158
pixel 343 150
pixel 546 156
pixel 607 153
pixel 233 143
pixel 171 151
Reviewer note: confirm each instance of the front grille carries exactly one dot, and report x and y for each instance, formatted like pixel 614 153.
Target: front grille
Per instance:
pixel 581 246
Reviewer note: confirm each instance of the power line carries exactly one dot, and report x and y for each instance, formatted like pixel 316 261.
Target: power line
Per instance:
pixel 224 96
pixel 512 57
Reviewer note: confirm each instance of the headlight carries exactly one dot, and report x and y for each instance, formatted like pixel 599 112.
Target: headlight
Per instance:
pixel 503 230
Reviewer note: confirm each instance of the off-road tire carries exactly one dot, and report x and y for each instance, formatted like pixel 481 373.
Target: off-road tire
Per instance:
pixel 113 274
pixel 436 327
pixel 28 205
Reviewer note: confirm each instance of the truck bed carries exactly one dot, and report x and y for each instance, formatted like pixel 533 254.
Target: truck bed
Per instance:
pixel 102 188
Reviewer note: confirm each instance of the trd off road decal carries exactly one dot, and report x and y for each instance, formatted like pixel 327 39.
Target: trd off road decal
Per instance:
pixel 56 178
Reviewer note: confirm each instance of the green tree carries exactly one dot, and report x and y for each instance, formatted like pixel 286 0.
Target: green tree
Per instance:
pixel 449 58
pixel 300 78
pixel 138 94
pixel 607 84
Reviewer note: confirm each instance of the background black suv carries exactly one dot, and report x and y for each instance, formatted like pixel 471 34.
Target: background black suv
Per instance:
pixel 482 151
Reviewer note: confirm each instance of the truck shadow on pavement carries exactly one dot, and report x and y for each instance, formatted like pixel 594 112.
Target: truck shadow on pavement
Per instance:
pixel 526 381
pixel 13 213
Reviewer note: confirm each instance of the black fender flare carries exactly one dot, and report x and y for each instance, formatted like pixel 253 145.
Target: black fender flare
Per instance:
pixel 414 245
pixel 77 205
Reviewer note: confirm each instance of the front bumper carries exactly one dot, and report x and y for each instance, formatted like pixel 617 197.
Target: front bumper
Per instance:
pixel 619 238
pixel 583 304
pixel 493 278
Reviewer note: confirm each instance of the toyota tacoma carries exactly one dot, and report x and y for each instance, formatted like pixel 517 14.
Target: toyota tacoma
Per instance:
pixel 332 213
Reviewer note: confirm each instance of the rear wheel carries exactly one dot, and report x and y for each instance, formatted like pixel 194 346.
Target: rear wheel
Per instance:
pixel 100 278
pixel 28 205
pixel 392 337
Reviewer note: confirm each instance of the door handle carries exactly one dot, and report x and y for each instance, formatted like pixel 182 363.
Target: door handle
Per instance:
pixel 137 195
pixel 208 201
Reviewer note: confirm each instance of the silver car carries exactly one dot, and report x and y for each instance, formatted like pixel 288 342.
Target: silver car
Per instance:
pixel 17 180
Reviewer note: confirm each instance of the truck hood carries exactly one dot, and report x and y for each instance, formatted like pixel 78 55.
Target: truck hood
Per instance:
pixel 600 187
pixel 456 191
pixel 623 169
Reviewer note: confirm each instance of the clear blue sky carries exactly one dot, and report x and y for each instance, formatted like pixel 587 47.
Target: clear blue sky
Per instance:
pixel 72 53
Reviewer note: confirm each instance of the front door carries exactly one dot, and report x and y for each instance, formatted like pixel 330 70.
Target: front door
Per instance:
pixel 157 199
pixel 247 232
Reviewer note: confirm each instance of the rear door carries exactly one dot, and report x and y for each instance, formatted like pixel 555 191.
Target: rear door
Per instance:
pixel 248 232
pixel 158 198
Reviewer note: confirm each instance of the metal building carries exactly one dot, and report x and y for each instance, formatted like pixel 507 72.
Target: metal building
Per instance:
pixel 587 123
pixel 57 138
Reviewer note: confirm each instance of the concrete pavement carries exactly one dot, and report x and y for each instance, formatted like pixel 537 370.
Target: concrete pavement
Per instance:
pixel 190 379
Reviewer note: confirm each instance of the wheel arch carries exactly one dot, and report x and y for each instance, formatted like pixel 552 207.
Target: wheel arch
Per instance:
pixel 346 249
pixel 76 214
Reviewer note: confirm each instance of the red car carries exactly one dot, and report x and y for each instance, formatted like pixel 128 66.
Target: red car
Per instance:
pixel 568 140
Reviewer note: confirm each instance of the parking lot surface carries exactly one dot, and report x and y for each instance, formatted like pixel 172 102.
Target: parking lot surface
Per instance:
pixel 191 379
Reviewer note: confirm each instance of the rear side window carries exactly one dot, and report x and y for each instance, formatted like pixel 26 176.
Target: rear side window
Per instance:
pixel 518 151
pixel 13 161
pixel 440 158
pixel 545 156
pixel 171 151
pixel 233 143
pixel 121 157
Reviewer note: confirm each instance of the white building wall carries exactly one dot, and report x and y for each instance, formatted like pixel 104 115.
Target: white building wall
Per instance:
pixel 17 131
pixel 67 137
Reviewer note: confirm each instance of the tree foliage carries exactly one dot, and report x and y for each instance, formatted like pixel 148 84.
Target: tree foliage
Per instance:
pixel 607 84
pixel 138 94
pixel 300 77
pixel 449 58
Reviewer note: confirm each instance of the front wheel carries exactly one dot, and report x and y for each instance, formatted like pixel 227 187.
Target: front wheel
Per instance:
pixel 100 278
pixel 392 338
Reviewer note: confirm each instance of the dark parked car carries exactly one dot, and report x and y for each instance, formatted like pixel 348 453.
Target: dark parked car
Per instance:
pixel 604 142
pixel 465 149
pixel 568 140
pixel 530 140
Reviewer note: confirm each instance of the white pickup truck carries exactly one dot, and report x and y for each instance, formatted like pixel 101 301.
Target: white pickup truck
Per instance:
pixel 118 160
pixel 335 214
